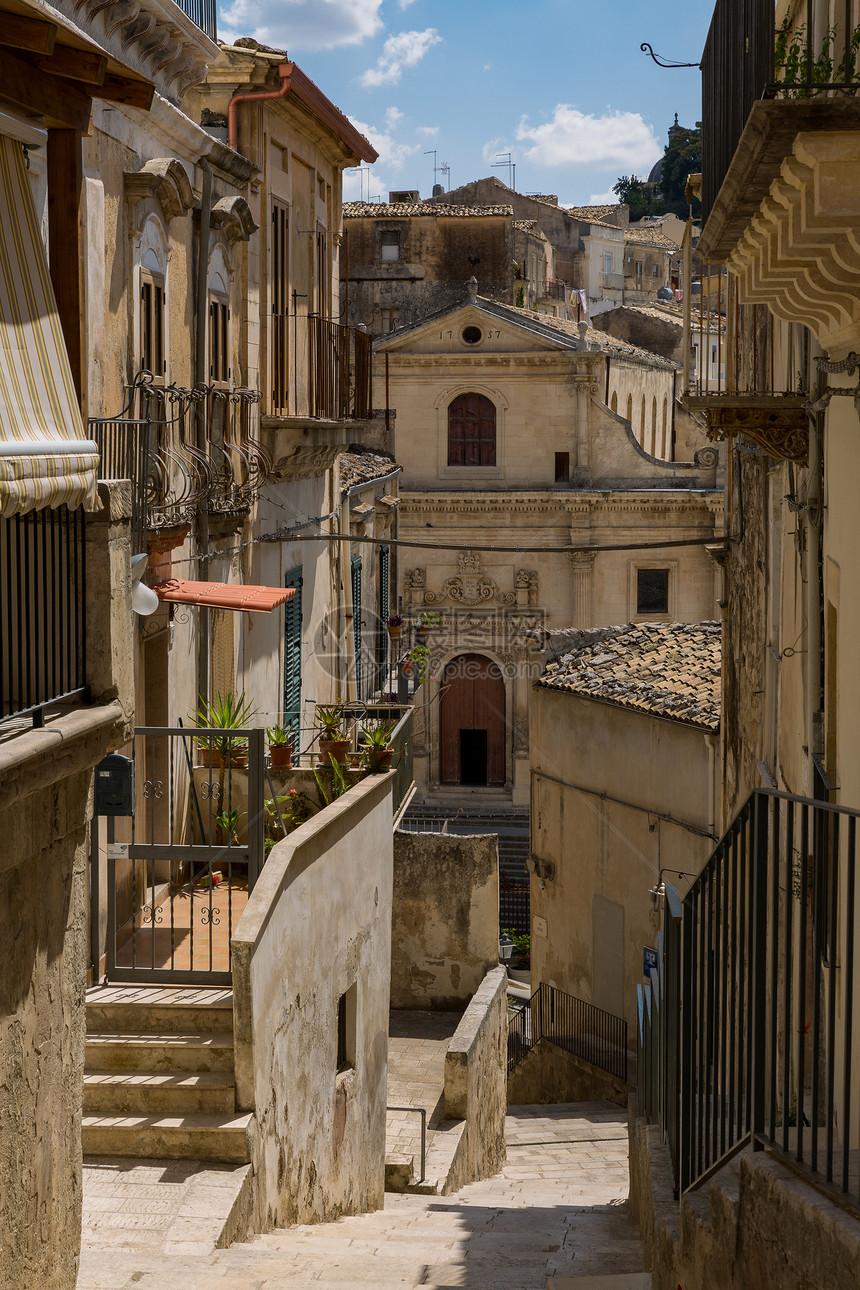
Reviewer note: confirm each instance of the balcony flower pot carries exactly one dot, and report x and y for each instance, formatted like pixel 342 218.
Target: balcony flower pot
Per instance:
pixel 281 755
pixel 334 750
pixel 394 625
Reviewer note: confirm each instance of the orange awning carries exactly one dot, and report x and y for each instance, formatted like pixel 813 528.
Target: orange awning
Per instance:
pixel 223 595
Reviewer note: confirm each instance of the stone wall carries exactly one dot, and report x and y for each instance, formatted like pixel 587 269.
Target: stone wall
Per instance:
pixel 317 930
pixel 475 1082
pixel 445 918
pixel 549 1074
pixel 757 1225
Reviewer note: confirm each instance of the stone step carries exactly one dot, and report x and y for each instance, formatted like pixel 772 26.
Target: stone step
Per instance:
pixel 136 1050
pixel 172 1137
pixel 614 1281
pixel 158 1010
pixel 142 1092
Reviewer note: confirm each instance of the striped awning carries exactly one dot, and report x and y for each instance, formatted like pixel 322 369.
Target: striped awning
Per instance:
pixel 45 456
pixel 223 595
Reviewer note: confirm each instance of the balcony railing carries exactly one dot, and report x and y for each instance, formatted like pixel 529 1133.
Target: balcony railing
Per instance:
pixel 202 13
pixel 320 369
pixel 42 639
pixel 613 281
pixel 554 289
pixel 813 54
pixel 554 1017
pixel 158 451
pixel 748 1024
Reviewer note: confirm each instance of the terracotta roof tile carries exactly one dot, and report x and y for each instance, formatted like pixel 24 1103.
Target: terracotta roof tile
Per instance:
pixel 590 212
pixel 650 237
pixel 597 339
pixel 405 210
pixel 363 467
pixel 663 669
pixel 223 595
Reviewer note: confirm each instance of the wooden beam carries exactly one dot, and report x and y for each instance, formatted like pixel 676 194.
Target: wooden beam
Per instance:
pixel 63 104
pixel 65 244
pixel 31 34
pixel 116 89
pixel 76 64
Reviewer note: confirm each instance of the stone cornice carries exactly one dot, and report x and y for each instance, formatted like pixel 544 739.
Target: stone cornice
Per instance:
pixel 561 504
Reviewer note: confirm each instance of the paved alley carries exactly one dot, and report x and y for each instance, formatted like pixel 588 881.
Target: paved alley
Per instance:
pixel 557 1208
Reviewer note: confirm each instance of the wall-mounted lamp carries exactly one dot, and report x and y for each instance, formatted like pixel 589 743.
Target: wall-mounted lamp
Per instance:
pixel 144 601
pixel 506 948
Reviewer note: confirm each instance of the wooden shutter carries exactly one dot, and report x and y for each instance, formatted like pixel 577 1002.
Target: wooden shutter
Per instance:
pixel 355 570
pixel 293 655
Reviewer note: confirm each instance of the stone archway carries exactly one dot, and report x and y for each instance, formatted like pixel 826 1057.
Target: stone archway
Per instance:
pixel 472 722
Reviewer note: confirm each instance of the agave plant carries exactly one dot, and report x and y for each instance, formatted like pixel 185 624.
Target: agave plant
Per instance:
pixel 225 712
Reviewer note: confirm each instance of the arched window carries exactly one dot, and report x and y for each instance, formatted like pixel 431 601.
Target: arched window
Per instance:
pixel 630 410
pixel 614 404
pixel 471 431
pixel 665 423
pixel 653 427
pixel 642 421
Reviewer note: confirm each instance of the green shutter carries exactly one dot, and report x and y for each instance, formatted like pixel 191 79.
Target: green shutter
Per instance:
pixel 356 620
pixel 384 611
pixel 293 655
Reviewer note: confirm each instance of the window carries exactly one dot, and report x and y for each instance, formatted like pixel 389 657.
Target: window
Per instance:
pixel 152 322
pixel 355 570
pixel 614 404
pixel 607 265
pixel 562 467
pixel 389 246
pixel 656 270
pixel 322 290
pixel 652 591
pixel 389 320
pixel 472 335
pixel 280 283
pixel 293 655
pixel 219 332
pixel 639 273
pixel 346 1009
pixel 471 431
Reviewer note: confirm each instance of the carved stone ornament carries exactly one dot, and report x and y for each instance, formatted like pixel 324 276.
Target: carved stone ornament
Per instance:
pixel 779 425
pixel 479 589
pixel 707 458
pixel 582 559
pixel 416 578
pixel 305 463
pixel 233 215
pixel 468 562
pixel 163 178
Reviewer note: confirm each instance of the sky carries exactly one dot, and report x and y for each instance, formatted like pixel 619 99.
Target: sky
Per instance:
pixel 561 85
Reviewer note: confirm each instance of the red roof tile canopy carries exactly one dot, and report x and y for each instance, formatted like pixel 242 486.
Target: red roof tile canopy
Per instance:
pixel 223 595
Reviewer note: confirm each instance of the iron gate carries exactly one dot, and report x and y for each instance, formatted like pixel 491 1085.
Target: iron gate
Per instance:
pixel 178 880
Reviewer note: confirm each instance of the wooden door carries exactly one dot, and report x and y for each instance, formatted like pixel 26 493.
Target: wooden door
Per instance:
pixel 473 699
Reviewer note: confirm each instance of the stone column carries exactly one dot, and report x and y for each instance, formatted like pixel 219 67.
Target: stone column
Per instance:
pixel 582 563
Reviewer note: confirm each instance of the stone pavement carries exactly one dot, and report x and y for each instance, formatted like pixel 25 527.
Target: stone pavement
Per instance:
pixel 558 1208
pixel 417 1044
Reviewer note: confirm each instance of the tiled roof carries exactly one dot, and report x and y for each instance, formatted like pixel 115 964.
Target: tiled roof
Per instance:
pixel 590 212
pixel 650 237
pixel 662 669
pixel 362 467
pixel 527 225
pixel 596 339
pixel 403 210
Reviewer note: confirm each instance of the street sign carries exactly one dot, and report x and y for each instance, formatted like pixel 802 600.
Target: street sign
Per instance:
pixel 649 960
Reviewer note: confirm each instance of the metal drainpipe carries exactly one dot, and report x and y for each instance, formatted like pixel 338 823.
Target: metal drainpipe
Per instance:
pixel 285 71
pixel 200 379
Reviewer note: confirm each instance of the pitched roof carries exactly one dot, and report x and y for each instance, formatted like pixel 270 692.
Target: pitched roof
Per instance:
pixel 591 212
pixel 596 339
pixel 661 669
pixel 404 210
pixel 650 237
pixel 363 467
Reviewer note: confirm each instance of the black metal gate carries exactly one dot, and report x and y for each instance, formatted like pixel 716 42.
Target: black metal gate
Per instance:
pixel 181 869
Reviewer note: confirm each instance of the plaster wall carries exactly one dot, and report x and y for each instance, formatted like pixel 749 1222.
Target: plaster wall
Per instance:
pixel 445 918
pixel 616 797
pixel 476 1081
pixel 318 924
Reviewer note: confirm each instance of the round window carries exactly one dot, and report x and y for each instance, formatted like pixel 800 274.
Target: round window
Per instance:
pixel 472 335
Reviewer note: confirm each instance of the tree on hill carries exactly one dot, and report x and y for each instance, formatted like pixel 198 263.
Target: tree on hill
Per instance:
pixel 682 157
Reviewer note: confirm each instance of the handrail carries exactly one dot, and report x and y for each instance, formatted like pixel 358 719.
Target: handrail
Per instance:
pixel 422 1112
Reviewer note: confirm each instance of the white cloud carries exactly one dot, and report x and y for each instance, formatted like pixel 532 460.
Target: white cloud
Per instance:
pixel 404 4
pixel 392 153
pixel 619 141
pixel 301 24
pixel 601 199
pixel 393 116
pixel 357 187
pixel 429 131
pixel 403 50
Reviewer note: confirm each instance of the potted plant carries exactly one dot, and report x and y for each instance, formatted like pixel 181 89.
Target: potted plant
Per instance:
pixel 394 623
pixel 280 746
pixel 425 622
pixel 225 712
pixel 333 743
pixel 376 750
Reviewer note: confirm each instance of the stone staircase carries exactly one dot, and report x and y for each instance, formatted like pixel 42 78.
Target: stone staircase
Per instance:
pixel 159 1077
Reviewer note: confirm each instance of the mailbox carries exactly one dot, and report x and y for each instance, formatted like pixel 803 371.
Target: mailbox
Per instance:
pixel 114 787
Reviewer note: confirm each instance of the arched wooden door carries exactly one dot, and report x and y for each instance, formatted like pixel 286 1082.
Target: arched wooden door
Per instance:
pixel 472 722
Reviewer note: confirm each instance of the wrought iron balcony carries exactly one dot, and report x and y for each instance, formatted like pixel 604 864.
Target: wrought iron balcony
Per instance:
pixel 202 14
pixel 176 463
pixel 320 370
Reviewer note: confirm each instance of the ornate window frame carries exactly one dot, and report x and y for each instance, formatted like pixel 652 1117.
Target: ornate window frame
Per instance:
pixel 469 474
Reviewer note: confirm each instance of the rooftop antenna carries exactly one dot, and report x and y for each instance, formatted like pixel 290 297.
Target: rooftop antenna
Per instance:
pixel 510 165
pixel 445 170
pixel 431 152
pixel 362 170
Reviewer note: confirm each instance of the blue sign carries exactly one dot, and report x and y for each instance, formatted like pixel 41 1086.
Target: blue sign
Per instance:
pixel 649 960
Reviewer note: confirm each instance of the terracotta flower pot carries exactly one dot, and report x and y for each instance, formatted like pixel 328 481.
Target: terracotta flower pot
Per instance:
pixel 394 633
pixel 334 750
pixel 281 755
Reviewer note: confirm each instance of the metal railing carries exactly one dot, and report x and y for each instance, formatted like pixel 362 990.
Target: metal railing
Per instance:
pixel 42 608
pixel 202 13
pixel 554 1017
pixel 417 1110
pixel 321 369
pixel 401 743
pixel 745 60
pixel 125 445
pixel 752 1008
pixel 520 1032
pixel 554 289
pixel 614 281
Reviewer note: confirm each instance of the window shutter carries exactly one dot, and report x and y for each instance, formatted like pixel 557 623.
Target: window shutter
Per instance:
pixel 293 656
pixel 356 621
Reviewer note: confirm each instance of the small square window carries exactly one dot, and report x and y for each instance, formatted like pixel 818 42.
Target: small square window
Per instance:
pixel 346 1008
pixel 652 591
pixel 389 246
pixel 389 320
pixel 562 467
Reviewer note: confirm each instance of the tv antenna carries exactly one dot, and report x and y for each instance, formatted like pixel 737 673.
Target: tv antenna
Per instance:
pixel 437 170
pixel 507 164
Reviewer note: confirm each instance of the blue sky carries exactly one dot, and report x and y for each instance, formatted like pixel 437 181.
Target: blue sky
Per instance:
pixel 560 84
